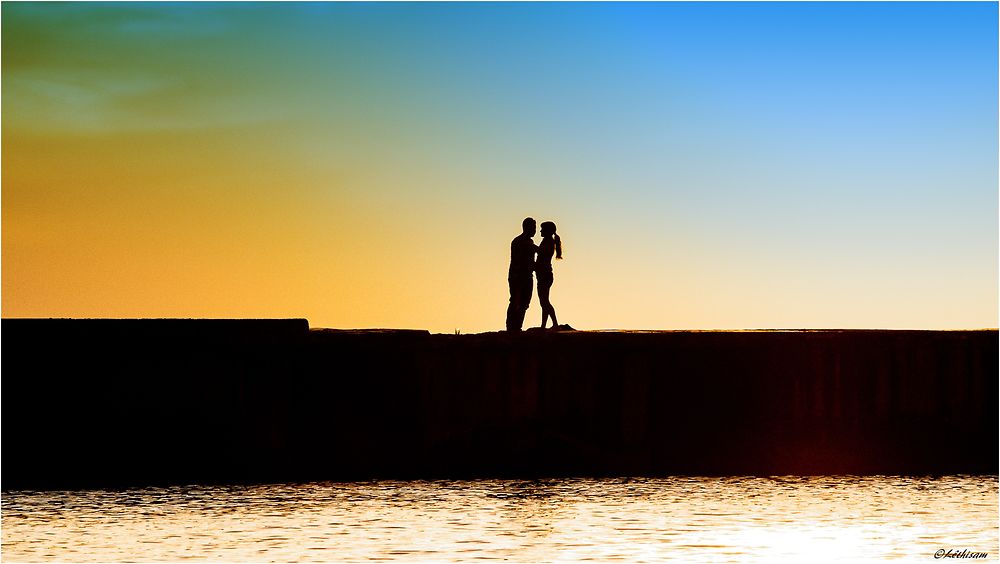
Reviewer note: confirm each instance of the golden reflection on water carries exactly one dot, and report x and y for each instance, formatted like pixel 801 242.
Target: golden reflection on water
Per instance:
pixel 741 519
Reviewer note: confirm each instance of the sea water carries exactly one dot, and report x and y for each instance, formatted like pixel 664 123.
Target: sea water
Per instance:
pixel 691 519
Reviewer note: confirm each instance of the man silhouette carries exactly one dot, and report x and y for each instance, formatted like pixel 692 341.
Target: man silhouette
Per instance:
pixel 522 264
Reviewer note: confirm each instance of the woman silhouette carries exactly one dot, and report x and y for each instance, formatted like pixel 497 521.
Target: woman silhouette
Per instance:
pixel 543 270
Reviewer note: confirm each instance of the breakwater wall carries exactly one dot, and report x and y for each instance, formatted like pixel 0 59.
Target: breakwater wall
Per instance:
pixel 89 403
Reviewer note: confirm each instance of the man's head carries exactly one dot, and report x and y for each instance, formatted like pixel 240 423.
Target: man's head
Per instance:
pixel 528 226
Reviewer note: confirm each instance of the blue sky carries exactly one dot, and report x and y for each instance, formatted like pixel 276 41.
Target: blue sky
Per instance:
pixel 710 165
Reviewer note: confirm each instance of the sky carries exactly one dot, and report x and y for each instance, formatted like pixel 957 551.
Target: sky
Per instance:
pixel 708 165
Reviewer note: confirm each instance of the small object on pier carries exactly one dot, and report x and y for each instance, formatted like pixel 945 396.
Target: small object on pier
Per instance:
pixel 563 327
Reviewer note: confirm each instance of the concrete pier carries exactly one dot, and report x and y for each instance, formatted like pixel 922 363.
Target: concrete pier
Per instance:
pixel 94 403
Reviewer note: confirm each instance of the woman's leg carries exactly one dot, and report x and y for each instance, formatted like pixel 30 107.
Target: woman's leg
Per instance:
pixel 552 309
pixel 543 300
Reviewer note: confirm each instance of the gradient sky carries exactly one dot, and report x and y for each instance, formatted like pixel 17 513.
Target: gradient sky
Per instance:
pixel 709 165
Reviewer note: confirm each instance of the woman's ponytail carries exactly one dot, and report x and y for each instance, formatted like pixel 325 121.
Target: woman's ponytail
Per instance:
pixel 558 245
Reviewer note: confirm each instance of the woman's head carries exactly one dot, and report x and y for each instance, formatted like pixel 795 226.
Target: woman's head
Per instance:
pixel 549 228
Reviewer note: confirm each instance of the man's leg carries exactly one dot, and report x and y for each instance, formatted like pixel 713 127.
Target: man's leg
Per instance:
pixel 514 306
pixel 525 286
pixel 520 297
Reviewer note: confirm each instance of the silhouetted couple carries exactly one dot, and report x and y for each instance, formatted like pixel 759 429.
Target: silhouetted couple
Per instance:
pixel 523 262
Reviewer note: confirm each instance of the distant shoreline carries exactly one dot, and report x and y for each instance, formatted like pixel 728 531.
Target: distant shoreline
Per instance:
pixel 299 323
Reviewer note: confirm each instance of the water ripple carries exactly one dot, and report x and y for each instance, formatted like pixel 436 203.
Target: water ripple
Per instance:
pixel 637 520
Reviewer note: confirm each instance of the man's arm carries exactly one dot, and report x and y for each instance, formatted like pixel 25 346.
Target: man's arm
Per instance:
pixel 524 244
